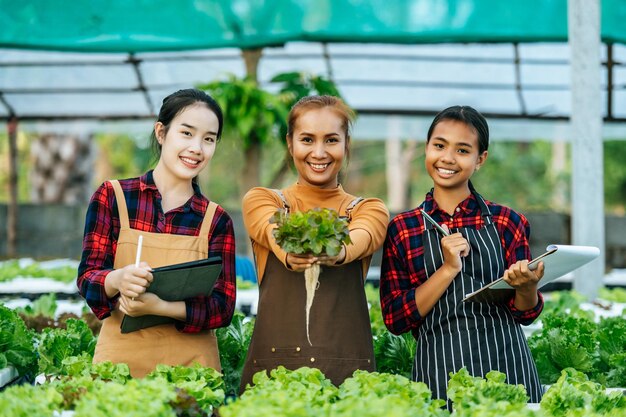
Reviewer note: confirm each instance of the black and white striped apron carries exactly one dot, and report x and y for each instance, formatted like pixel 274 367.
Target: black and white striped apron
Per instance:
pixel 480 336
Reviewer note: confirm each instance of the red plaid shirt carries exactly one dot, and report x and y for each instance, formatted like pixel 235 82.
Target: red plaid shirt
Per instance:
pixel 102 227
pixel 402 269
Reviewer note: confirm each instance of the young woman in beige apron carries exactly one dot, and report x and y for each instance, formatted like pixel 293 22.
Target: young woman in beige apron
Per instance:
pixel 143 349
pixel 340 332
pixel 166 204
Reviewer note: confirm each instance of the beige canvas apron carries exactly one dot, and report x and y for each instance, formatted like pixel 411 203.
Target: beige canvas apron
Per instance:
pixel 144 349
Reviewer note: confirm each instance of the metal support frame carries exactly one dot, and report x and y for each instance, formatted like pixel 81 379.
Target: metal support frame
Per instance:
pixel 588 227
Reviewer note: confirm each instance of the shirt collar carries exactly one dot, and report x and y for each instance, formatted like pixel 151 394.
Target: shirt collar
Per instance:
pixel 146 182
pixel 467 206
pixel 197 203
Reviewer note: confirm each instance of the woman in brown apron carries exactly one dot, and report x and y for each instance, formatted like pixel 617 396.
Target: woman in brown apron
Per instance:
pixel 341 340
pixel 176 224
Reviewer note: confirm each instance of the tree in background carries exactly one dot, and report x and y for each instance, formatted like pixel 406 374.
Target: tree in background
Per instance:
pixel 255 117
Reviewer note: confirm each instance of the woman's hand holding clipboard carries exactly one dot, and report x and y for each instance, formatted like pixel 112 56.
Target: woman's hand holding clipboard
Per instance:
pixel 558 260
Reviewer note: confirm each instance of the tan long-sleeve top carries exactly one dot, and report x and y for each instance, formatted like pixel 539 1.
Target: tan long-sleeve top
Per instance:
pixel 260 204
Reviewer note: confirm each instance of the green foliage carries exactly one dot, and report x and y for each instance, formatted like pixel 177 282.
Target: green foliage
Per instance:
pixel 251 114
pixel 57 344
pixel 564 342
pixel 521 191
pixel 570 341
pixel 82 366
pixel 379 394
pixel 394 354
pixel 46 305
pixel 233 342
pixel 23 167
pixel 466 391
pixel 306 392
pixel 29 401
pixel 203 384
pixel 137 398
pixel 616 295
pixel 574 392
pixel 317 231
pixel 16 343
pixel 296 85
pixel 615 175
pixel 10 270
pixel 120 156
pixel 611 335
pixel 564 301
pixel 301 393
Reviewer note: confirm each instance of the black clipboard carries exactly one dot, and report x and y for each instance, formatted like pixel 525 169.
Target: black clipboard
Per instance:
pixel 176 283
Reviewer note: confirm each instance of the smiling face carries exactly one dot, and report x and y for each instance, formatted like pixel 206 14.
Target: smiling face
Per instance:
pixel 318 146
pixel 189 143
pixel 452 156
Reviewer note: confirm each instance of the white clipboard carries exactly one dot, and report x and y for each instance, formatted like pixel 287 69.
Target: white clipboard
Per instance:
pixel 558 260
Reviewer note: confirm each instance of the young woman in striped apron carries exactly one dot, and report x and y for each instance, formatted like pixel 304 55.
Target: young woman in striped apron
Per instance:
pixel 177 224
pixel 425 275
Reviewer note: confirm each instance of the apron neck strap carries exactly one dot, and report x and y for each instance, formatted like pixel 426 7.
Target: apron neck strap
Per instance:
pixel 484 210
pixel 280 194
pixel 208 219
pixel 121 204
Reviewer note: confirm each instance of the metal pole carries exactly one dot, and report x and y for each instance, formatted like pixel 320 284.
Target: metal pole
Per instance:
pixel 12 207
pixel 587 153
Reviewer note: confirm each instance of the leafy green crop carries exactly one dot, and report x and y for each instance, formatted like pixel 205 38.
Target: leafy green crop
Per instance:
pixel 16 343
pixel 203 384
pixel 57 344
pixel 45 305
pixel 12 269
pixel 82 366
pixel 616 295
pixel 371 392
pixel 564 342
pixel 305 392
pixel 136 398
pixel 233 342
pixel 570 341
pixel 317 231
pixel 466 391
pixel 611 368
pixel 29 401
pixel 574 392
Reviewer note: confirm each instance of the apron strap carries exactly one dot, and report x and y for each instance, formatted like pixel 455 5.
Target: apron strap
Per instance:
pixel 351 206
pixel 121 204
pixel 484 210
pixel 208 219
pixel 280 194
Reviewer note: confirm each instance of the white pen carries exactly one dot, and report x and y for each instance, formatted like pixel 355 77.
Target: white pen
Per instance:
pixel 434 223
pixel 138 257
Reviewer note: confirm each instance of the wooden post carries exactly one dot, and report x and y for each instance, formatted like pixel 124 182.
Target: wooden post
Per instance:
pixel 587 152
pixel 12 207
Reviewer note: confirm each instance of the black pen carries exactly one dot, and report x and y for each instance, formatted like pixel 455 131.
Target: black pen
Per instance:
pixel 434 223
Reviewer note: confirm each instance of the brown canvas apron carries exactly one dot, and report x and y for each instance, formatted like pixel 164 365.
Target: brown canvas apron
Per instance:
pixel 144 349
pixel 339 327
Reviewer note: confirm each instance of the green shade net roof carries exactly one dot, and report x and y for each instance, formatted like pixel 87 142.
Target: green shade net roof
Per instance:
pixel 159 25
pixel 73 62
